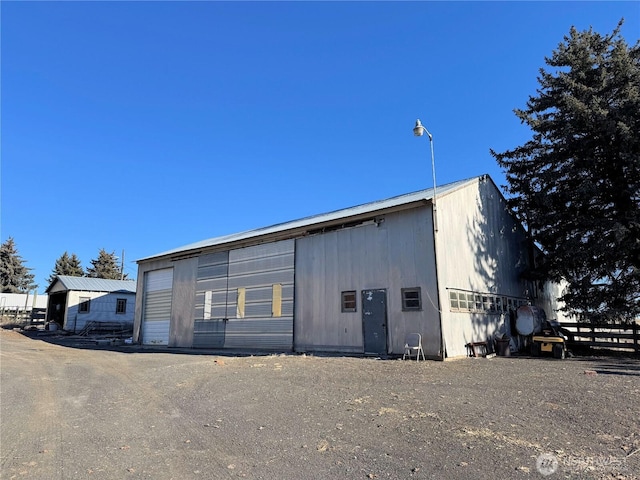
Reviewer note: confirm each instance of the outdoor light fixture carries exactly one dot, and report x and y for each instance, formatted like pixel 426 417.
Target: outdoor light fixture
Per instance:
pixel 419 131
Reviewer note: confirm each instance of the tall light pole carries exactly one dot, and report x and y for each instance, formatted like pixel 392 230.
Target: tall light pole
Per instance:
pixel 419 131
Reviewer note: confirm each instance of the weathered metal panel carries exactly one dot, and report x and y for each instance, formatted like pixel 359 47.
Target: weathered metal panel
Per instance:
pixel 480 250
pixel 184 292
pixel 256 269
pixel 260 333
pixel 214 265
pixel 259 279
pixel 251 274
pixel 209 333
pixel 210 311
pixel 156 309
pixel 412 264
pixel 392 254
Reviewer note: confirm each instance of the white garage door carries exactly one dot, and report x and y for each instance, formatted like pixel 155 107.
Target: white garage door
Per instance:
pixel 156 313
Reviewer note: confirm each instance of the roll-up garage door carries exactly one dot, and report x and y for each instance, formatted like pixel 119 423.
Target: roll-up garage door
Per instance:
pixel 156 314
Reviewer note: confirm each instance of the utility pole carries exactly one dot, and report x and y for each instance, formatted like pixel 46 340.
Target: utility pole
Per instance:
pixel 122 266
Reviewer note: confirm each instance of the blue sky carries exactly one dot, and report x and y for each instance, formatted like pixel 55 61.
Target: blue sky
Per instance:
pixel 144 126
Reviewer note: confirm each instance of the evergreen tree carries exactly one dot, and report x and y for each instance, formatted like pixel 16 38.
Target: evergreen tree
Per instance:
pixel 105 266
pixel 576 183
pixel 67 265
pixel 15 277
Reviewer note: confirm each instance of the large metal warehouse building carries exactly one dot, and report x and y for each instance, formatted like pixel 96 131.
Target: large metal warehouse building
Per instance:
pixel 356 280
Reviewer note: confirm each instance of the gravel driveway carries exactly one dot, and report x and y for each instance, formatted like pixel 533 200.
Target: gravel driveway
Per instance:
pixel 77 413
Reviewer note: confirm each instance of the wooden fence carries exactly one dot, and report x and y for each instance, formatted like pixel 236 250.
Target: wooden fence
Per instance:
pixel 616 336
pixel 21 316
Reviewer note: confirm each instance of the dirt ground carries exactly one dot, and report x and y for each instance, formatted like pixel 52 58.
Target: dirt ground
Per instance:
pixel 127 412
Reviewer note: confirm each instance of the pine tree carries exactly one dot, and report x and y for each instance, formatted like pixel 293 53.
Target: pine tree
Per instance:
pixel 105 266
pixel 15 277
pixel 576 183
pixel 67 265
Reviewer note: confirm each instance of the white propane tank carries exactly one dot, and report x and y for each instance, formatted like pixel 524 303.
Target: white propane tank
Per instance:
pixel 529 319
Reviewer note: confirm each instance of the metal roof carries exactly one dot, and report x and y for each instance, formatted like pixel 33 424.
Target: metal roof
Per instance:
pixel 87 284
pixel 367 208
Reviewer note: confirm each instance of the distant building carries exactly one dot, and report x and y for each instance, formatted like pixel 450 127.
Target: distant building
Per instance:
pixel 356 280
pixel 76 301
pixel 22 306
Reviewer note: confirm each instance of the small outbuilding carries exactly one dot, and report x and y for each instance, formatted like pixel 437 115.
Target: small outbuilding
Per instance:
pixel 356 281
pixel 75 303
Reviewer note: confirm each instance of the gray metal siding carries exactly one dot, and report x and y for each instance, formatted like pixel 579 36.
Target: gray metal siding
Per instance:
pixel 184 291
pixel 393 255
pixel 209 333
pixel 480 249
pixel 212 276
pixel 255 269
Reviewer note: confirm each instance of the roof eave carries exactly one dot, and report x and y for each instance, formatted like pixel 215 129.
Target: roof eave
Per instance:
pixel 252 237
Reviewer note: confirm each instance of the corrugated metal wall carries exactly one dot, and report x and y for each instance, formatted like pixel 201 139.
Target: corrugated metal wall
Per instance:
pixel 243 298
pixel 258 276
pixel 156 310
pixel 482 249
pixel 211 300
pixel 391 255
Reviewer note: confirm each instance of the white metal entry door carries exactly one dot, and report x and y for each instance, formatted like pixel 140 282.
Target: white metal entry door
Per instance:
pixel 156 308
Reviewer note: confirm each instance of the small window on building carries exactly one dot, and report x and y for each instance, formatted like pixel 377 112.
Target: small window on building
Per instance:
pixel 478 303
pixel 462 298
pixel 348 301
pixel 84 305
pixel 453 299
pixel 470 302
pixel 411 299
pixel 485 303
pixel 121 305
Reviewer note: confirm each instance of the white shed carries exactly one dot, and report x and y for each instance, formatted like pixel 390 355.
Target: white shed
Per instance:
pixel 74 302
